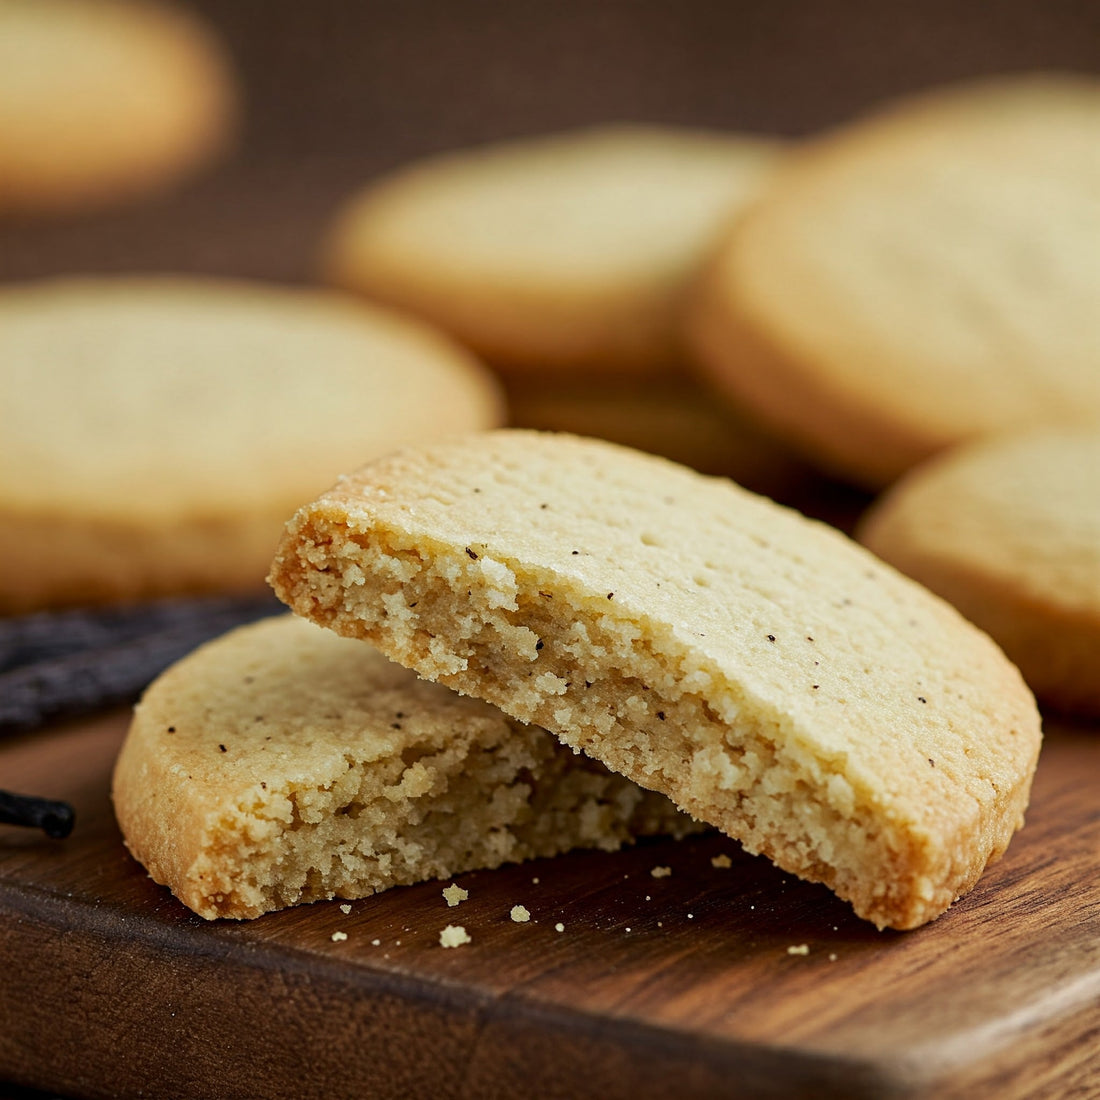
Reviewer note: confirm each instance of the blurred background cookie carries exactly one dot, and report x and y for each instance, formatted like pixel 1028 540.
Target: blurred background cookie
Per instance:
pixel 155 434
pixel 566 253
pixel 919 278
pixel 103 100
pixel 356 776
pixel 1008 530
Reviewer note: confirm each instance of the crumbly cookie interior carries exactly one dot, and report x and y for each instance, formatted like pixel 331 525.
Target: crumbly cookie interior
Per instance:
pixel 417 817
pixel 283 764
pixel 651 710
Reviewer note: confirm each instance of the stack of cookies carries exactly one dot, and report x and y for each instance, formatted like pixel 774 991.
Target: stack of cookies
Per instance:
pixel 510 641
pixel 761 671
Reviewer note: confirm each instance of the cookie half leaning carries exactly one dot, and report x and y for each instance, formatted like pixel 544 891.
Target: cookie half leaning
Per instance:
pixel 768 674
pixel 282 764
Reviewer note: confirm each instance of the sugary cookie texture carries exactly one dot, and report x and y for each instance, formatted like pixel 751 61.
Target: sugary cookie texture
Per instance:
pixel 768 674
pixel 282 764
pixel 1008 530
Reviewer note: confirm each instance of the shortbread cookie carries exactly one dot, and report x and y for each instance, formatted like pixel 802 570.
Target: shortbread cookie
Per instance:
pixel 920 278
pixel 282 764
pixel 156 434
pixel 103 99
pixel 561 253
pixel 768 674
pixel 1008 530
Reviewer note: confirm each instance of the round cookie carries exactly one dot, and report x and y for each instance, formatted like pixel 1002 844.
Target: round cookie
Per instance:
pixel 102 99
pixel 553 254
pixel 155 434
pixel 919 278
pixel 283 764
pixel 768 674
pixel 1008 530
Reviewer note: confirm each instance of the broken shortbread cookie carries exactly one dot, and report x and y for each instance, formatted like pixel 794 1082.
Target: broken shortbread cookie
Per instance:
pixel 282 764
pixel 768 674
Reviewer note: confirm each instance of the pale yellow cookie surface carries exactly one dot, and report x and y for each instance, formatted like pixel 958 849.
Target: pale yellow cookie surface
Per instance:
pixel 1008 530
pixel 103 99
pixel 768 674
pixel 156 433
pixel 282 764
pixel 920 278
pixel 563 253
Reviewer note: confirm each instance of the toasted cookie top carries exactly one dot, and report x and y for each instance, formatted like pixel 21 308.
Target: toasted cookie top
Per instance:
pixel 1008 530
pixel 568 252
pixel 163 397
pixel 704 641
pixel 919 278
pixel 103 98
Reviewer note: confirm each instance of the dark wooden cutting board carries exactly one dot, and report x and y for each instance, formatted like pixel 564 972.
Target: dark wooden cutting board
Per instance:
pixel 676 986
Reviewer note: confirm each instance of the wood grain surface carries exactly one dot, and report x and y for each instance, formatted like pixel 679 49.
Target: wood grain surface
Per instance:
pixel 676 986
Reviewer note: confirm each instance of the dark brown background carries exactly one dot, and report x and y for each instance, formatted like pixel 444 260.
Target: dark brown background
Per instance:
pixel 338 90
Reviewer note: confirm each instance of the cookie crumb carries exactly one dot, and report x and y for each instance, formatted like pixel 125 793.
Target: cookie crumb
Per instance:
pixel 454 895
pixel 799 949
pixel 559 927
pixel 723 861
pixel 345 909
pixel 376 943
pixel 661 872
pixel 339 937
pixel 520 914
pixel 454 935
